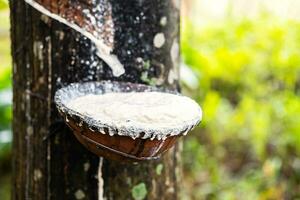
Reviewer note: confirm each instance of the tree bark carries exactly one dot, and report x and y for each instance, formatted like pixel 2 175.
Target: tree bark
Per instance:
pixel 48 162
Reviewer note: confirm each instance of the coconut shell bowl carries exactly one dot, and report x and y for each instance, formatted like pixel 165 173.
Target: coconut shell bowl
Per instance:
pixel 112 141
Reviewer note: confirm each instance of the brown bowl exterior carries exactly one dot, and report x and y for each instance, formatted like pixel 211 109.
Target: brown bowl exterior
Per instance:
pixel 120 148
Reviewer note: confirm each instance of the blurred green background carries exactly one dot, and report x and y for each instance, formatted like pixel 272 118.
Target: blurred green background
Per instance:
pixel 5 102
pixel 244 70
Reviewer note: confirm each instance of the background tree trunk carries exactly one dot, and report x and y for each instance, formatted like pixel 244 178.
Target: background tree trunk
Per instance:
pixel 48 162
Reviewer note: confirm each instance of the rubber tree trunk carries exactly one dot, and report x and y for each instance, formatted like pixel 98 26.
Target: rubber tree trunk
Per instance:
pixel 48 162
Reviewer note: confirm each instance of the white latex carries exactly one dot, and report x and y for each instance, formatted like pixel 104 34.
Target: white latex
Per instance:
pixel 104 52
pixel 153 110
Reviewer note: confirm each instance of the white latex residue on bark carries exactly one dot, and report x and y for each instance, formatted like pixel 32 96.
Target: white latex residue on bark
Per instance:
pixel 104 51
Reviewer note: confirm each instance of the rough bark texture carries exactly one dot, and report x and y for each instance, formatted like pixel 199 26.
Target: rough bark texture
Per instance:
pixel 48 162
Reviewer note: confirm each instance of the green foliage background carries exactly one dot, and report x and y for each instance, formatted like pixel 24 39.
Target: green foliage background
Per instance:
pixel 248 80
pixel 249 85
pixel 5 102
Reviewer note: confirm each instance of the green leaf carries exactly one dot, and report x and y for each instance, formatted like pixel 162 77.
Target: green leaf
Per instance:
pixel 159 169
pixel 139 191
